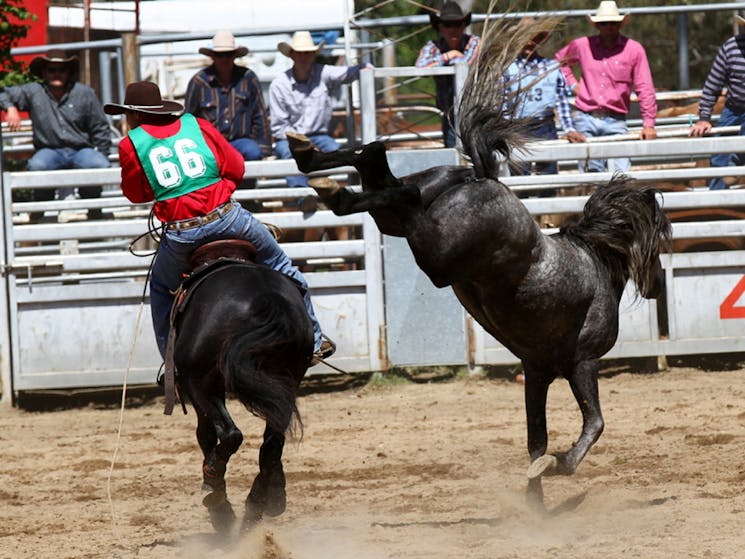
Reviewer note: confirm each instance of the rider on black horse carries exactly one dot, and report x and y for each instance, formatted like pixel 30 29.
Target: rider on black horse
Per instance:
pixel 190 170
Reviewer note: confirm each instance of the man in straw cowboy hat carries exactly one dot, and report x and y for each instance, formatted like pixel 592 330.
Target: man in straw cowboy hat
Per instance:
pixel 190 170
pixel 453 46
pixel 612 66
pixel 727 70
pixel 70 129
pixel 300 98
pixel 229 96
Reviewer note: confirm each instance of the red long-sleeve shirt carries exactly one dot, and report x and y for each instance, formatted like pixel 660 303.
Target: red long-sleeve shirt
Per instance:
pixel 137 188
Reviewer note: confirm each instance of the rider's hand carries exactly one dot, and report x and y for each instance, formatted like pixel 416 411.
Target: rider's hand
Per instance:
pixel 575 137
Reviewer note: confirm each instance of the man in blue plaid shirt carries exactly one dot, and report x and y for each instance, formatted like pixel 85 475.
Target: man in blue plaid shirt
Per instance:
pixel 539 90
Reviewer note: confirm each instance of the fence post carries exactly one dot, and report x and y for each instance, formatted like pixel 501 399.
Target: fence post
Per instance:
pixel 131 58
pixel 367 105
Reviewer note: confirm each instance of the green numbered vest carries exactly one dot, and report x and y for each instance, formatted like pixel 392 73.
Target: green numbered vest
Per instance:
pixel 179 164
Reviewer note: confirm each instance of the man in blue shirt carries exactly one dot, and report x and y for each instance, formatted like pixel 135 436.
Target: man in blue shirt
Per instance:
pixel 229 96
pixel 538 91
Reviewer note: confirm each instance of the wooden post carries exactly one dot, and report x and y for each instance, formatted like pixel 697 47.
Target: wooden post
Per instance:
pixel 130 58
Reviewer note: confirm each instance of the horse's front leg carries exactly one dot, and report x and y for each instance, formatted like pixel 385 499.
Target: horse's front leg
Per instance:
pixel 536 392
pixel 584 384
pixel 267 495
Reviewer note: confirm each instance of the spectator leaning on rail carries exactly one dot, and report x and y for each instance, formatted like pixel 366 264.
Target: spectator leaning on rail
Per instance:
pixel 229 96
pixel 70 129
pixel 453 46
pixel 537 90
pixel 300 98
pixel 612 66
pixel 728 69
pixel 191 171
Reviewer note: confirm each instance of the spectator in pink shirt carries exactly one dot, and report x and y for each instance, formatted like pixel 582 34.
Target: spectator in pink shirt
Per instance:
pixel 611 66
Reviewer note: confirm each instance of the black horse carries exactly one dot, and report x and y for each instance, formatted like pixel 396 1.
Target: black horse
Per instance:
pixel 245 331
pixel 551 300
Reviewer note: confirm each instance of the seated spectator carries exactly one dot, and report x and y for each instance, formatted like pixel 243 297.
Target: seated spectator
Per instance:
pixel 229 96
pixel 70 129
pixel 300 98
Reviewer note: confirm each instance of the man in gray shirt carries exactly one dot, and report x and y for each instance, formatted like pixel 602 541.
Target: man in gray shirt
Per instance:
pixel 300 98
pixel 70 129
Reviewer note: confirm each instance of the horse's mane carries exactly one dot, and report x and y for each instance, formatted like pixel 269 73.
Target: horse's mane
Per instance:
pixel 486 106
pixel 624 227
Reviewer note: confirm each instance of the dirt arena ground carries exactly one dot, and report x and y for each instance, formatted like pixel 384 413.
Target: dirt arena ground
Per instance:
pixel 398 470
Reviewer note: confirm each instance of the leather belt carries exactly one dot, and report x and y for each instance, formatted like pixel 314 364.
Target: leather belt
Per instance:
pixel 604 113
pixel 192 222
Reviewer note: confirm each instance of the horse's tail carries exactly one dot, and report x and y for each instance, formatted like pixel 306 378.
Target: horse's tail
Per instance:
pixel 489 98
pixel 261 364
pixel 626 228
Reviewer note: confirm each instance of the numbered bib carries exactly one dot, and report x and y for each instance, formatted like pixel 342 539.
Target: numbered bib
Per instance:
pixel 179 164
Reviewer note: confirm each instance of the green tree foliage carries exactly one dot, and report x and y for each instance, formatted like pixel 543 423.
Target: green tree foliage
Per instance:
pixel 13 27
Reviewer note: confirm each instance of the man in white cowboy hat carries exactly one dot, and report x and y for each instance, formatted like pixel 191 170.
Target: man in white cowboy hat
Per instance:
pixel 300 98
pixel 192 188
pixel 612 66
pixel 229 96
pixel 727 70
pixel 453 46
pixel 70 129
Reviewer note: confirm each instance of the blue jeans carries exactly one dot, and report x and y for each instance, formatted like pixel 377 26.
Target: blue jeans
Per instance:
pixel 727 118
pixel 172 262
pixel 324 142
pixel 543 130
pixel 248 148
pixel 607 126
pixel 51 159
pixel 448 132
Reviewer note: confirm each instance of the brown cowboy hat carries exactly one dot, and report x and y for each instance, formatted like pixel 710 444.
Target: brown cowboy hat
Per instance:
pixel 58 56
pixel 224 43
pixel 451 12
pixel 143 97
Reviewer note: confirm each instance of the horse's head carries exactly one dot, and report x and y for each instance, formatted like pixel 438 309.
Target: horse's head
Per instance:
pixel 655 281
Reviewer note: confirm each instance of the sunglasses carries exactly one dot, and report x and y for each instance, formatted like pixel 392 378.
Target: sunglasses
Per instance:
pixel 451 23
pixel 607 23
pixel 224 55
pixel 56 69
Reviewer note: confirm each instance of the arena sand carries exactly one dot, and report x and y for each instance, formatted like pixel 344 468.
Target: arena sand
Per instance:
pixel 433 470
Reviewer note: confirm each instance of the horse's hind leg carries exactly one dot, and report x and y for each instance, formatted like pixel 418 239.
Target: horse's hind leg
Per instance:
pixel 219 439
pixel 344 201
pixel 267 495
pixel 370 161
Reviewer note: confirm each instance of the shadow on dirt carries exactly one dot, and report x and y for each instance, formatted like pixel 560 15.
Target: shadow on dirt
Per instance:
pixel 145 395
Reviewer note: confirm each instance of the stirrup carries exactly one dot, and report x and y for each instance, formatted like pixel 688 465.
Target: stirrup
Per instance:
pixel 327 349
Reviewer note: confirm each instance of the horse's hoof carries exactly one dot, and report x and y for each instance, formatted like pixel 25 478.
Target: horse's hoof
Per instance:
pixel 545 464
pixel 325 186
pixel 298 142
pixel 213 499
